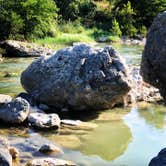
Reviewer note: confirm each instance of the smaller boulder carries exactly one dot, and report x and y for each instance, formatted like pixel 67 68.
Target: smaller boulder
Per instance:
pixel 5 99
pixel 50 148
pixel 160 159
pixel 15 111
pixel 49 162
pixel 44 121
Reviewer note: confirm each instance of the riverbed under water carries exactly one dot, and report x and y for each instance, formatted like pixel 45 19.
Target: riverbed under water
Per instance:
pixel 120 137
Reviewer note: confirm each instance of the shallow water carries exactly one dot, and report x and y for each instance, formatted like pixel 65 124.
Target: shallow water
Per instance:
pixel 118 137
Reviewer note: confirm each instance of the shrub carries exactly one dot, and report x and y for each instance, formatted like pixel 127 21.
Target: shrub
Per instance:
pixel 115 30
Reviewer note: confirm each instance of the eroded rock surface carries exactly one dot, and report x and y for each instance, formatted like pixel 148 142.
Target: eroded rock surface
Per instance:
pixel 153 65
pixel 79 78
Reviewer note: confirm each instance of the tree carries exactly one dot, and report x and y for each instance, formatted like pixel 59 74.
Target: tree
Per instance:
pixel 26 18
pixel 115 30
pixel 125 17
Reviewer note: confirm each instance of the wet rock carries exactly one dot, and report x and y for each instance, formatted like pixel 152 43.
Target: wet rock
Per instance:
pixel 153 62
pixel 80 78
pixel 49 162
pixel 5 157
pixel 15 111
pixel 5 99
pixel 44 121
pixel 141 90
pixel 22 49
pixel 160 160
pixel 71 122
pixel 14 152
pixel 50 148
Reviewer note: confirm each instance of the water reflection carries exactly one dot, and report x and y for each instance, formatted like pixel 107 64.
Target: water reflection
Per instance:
pixel 154 114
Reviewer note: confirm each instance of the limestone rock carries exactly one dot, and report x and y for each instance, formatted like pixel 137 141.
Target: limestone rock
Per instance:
pixel 80 77
pixel 44 121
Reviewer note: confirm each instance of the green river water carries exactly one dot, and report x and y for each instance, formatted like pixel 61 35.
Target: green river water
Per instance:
pixel 119 137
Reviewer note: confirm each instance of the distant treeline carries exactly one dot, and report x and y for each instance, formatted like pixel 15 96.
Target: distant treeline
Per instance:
pixel 31 19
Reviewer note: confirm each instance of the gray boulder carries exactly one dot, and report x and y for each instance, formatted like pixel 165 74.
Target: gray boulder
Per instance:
pixel 153 65
pixel 44 121
pixel 79 78
pixel 15 111
pixel 160 159
pixel 5 157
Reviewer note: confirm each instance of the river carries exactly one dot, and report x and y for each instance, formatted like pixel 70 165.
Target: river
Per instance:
pixel 128 136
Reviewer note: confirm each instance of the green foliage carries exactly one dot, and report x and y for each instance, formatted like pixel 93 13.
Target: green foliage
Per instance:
pixel 71 27
pixel 115 30
pixel 28 18
pixel 31 19
pixel 126 19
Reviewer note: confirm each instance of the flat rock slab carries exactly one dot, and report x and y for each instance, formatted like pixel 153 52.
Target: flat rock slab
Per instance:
pixel 15 111
pixel 44 121
pixel 22 49
pixel 49 162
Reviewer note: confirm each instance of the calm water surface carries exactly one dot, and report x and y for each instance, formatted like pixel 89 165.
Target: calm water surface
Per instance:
pixel 118 137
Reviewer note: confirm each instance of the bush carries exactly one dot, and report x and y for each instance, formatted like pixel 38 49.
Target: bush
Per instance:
pixel 115 30
pixel 27 18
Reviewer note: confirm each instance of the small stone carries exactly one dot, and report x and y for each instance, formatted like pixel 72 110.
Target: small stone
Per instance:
pixel 50 148
pixel 44 107
pixel 14 152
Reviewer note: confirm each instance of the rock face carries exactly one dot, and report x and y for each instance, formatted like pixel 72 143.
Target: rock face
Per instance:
pixel 49 162
pixel 141 90
pixel 5 157
pixel 153 65
pixel 15 111
pixel 44 121
pixel 22 49
pixel 79 78
pixel 160 160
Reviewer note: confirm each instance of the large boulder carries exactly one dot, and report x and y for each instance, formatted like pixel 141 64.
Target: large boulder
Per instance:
pixel 153 65
pixel 160 159
pixel 15 48
pixel 79 78
pixel 15 111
